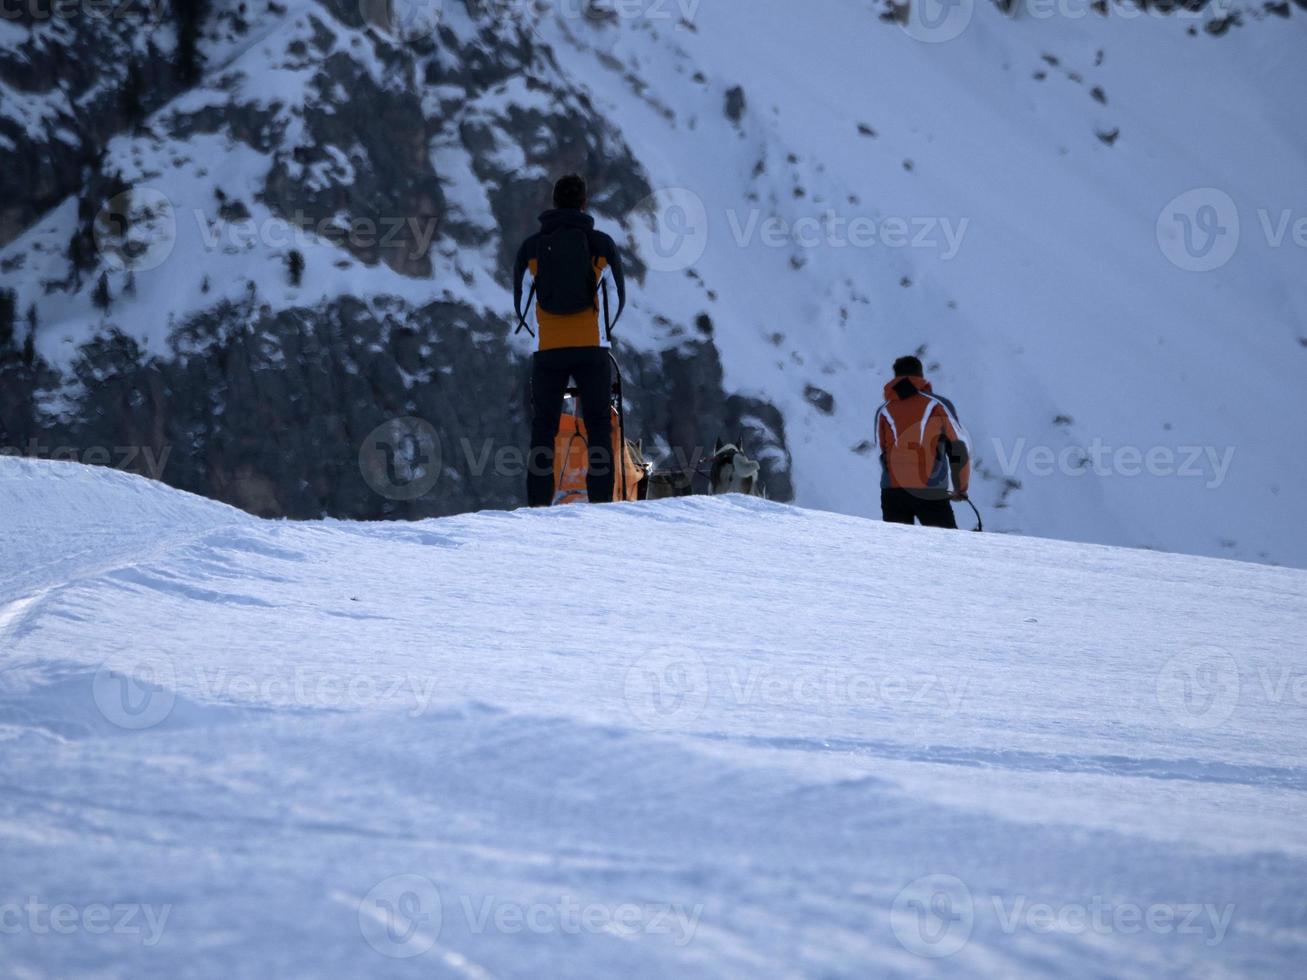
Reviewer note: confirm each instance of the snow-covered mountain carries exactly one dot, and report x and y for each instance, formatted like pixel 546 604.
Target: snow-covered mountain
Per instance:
pixel 235 748
pixel 1088 217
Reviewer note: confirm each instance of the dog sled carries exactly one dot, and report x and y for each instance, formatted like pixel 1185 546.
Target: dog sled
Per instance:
pixel 728 470
pixel 572 452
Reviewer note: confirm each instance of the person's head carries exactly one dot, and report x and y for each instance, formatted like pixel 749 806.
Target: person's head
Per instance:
pixel 908 367
pixel 570 192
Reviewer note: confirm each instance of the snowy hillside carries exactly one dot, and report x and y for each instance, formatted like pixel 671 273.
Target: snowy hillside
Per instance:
pixel 805 195
pixel 1039 265
pixel 234 747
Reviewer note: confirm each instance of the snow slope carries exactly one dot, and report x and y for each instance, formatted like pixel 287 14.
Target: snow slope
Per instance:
pixel 704 737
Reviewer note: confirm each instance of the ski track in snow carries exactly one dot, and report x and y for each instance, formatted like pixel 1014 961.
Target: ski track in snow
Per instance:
pixel 748 725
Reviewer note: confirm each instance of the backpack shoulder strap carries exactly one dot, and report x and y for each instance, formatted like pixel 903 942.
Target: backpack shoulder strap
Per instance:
pixel 521 317
pixel 608 323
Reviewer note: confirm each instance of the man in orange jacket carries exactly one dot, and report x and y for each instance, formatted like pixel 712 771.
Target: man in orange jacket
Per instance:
pixel 925 461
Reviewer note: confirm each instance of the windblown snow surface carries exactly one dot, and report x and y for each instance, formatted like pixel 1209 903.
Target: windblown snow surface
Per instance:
pixel 703 737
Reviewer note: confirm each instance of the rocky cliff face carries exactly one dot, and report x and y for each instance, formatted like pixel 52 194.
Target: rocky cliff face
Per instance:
pixel 294 227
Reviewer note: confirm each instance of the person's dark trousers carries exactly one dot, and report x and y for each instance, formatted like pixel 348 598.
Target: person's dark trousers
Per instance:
pixel 592 370
pixel 899 506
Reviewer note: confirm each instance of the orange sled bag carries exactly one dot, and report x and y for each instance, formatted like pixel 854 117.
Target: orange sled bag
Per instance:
pixel 572 459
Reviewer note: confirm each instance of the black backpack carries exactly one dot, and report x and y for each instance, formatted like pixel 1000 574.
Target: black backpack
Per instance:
pixel 565 281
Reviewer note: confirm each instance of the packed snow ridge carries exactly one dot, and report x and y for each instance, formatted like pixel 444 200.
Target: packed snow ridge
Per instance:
pixel 701 737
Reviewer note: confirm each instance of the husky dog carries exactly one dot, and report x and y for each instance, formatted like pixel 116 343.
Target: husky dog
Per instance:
pixel 669 483
pixel 732 471
pixel 729 471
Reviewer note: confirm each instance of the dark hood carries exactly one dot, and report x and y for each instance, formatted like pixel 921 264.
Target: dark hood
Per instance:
pixel 904 387
pixel 566 218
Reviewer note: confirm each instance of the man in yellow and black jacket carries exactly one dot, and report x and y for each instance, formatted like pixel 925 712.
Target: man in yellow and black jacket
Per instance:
pixel 571 267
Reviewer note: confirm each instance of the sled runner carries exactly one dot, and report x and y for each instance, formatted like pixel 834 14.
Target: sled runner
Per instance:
pixel 572 452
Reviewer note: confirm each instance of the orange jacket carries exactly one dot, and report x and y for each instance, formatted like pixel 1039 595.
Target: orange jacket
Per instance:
pixel 922 442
